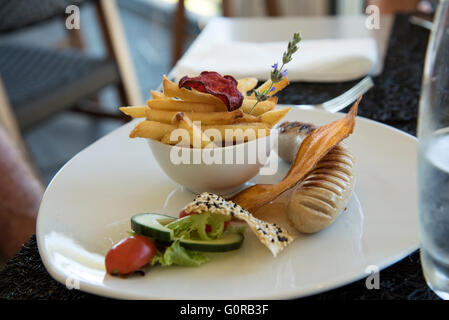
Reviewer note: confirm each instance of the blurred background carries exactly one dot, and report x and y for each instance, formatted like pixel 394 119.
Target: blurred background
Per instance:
pixel 151 28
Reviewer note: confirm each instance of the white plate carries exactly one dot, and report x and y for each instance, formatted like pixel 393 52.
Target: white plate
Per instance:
pixel 87 207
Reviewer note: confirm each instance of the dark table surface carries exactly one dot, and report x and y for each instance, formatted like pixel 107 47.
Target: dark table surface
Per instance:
pixel 393 100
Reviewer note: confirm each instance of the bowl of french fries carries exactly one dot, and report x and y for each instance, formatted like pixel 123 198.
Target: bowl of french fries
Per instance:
pixel 201 145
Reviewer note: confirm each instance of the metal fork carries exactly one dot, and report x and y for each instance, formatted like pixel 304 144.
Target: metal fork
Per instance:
pixel 345 99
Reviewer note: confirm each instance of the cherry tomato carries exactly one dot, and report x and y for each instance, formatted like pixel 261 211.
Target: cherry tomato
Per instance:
pixel 183 214
pixel 129 255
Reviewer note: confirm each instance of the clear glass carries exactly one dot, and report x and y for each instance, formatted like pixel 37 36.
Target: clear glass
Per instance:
pixel 433 157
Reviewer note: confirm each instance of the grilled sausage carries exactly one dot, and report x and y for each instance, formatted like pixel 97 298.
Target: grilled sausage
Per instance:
pixel 320 198
pixel 291 135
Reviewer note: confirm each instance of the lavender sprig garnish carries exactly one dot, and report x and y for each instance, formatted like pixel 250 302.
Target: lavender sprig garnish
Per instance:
pixel 277 74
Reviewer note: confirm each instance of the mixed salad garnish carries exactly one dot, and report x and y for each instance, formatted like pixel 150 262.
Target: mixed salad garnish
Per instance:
pixel 158 239
pixel 203 226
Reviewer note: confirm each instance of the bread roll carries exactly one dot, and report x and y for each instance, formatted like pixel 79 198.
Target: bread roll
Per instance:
pixel 320 198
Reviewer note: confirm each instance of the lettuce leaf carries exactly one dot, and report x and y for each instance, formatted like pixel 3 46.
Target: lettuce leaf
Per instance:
pixel 177 255
pixel 216 222
pixel 194 226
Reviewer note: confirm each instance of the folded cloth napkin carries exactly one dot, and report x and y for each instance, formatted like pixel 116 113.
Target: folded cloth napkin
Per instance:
pixel 327 60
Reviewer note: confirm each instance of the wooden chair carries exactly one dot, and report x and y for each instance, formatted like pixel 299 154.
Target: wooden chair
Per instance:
pixel 39 82
pixel 8 121
pixel 179 23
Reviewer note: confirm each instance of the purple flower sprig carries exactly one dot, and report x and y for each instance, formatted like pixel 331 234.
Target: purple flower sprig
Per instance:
pixel 277 74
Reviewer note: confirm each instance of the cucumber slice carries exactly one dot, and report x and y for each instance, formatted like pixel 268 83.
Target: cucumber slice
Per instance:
pixel 231 241
pixel 153 225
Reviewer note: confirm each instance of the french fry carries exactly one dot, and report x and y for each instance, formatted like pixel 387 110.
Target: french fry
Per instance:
pixel 180 105
pixel 246 84
pixel 274 116
pixel 264 86
pixel 151 129
pixel 180 138
pixel 205 117
pixel 134 111
pixel 278 86
pixel 197 138
pixel 166 139
pixel 178 108
pixel 173 90
pixel 261 107
pixel 239 132
pixel 157 95
pixel 248 118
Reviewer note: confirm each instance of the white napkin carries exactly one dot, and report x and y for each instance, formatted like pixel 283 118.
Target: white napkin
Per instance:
pixel 327 60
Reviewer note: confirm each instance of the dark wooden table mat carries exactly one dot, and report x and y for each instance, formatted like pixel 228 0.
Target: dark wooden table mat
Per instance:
pixel 393 100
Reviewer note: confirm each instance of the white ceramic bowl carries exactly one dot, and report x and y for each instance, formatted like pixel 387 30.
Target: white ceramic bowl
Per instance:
pixel 219 170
